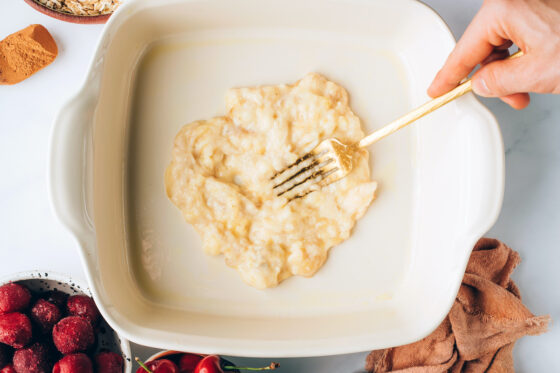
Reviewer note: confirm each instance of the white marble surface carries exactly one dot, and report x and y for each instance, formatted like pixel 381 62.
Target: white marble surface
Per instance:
pixel 30 237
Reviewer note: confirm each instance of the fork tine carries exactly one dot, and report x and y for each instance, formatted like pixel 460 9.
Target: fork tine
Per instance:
pixel 329 161
pixel 324 175
pixel 293 168
pixel 328 173
pixel 315 179
pixel 312 165
pixel 311 175
pixel 293 165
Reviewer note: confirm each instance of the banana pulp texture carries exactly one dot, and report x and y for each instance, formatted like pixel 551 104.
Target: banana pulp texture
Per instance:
pixel 219 177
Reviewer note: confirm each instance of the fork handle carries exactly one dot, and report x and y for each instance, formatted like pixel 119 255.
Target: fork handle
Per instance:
pixel 420 111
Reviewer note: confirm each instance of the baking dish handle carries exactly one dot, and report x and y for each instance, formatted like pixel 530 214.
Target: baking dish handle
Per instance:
pixel 68 167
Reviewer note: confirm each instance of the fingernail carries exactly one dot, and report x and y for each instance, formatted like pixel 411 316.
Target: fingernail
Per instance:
pixel 480 87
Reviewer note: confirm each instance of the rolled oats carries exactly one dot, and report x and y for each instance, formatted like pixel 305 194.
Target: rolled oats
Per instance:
pixel 82 7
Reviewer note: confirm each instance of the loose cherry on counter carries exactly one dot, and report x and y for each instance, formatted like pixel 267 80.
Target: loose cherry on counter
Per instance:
pixel 157 366
pixel 215 364
pixel 188 362
pixel 210 364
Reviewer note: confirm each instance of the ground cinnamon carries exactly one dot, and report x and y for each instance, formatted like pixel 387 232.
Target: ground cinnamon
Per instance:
pixel 25 52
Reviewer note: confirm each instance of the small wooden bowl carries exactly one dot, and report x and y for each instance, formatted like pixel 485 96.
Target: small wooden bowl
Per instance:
pixel 68 17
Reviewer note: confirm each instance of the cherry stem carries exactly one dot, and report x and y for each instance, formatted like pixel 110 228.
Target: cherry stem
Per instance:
pixel 143 365
pixel 272 366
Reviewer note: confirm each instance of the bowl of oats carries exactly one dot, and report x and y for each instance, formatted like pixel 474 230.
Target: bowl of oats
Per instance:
pixel 77 11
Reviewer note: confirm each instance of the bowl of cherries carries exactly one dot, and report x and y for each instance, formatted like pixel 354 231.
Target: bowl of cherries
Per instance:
pixel 184 362
pixel 49 323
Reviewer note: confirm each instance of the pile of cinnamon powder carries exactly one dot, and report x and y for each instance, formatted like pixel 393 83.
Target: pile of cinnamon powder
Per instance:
pixel 25 52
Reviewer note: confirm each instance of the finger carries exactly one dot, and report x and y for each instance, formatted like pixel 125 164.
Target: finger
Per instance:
pixel 475 45
pixel 495 55
pixel 504 77
pixel 517 100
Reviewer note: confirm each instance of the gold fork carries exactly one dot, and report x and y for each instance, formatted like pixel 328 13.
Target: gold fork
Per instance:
pixel 331 160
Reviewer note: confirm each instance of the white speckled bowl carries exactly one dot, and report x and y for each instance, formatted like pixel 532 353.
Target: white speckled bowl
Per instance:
pixel 42 281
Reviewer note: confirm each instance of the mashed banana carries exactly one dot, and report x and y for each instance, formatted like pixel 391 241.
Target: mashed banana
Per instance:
pixel 219 178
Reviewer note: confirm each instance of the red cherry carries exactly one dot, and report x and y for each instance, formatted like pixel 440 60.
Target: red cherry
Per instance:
pixel 74 363
pixel 210 364
pixel 188 362
pixel 160 366
pixel 215 364
pixel 13 298
pixel 8 369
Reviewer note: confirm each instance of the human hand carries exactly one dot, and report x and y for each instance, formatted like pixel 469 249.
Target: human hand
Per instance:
pixel 533 25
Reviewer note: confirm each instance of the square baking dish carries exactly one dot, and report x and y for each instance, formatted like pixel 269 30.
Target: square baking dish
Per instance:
pixel 162 64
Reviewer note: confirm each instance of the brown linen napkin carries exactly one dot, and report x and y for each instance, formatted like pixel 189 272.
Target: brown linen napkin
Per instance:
pixel 479 332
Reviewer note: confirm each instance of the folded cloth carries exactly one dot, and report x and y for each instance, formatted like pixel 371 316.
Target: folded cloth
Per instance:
pixel 479 332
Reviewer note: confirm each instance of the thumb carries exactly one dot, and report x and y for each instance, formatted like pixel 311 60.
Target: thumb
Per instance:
pixel 504 77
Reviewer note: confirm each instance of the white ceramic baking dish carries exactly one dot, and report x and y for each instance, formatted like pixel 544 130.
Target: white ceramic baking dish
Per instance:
pixel 161 64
